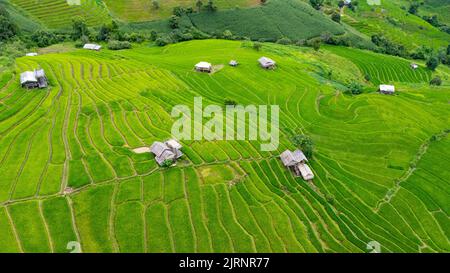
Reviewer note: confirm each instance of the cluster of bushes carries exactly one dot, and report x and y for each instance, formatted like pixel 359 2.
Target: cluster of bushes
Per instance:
pixel 117 45
pixel 355 88
pixel 316 42
pixel 433 57
pixel 388 47
pixel 178 35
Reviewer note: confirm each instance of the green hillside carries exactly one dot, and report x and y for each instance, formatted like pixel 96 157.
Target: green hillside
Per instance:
pixel 58 13
pixel 380 173
pixel 392 19
pixel 276 19
pixel 145 10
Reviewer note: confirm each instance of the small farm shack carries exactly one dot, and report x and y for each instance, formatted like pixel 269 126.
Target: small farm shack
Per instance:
pixel 92 47
pixel 233 63
pixel 387 89
pixel 169 150
pixel 414 66
pixel 31 54
pixel 296 161
pixel 203 67
pixel 305 172
pixel 267 63
pixel 33 79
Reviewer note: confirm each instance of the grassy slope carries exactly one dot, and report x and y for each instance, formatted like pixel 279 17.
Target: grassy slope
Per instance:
pixel 102 103
pixel 143 10
pixel 276 19
pixel 396 24
pixel 20 17
pixel 58 14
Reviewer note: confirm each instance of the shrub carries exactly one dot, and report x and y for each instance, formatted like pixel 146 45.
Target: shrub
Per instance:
pixel 336 16
pixel 436 81
pixel 136 37
pixel 355 88
pixel 230 102
pixel 330 198
pixel 198 34
pixel 413 8
pixel 227 34
pixel 433 63
pixel 153 35
pixel 167 163
pixel 317 4
pixel 179 11
pixel 163 40
pixel 211 7
pixel 284 41
pixel 174 21
pixel 314 43
pixel 257 46
pixel 118 45
pixel 155 4
pixel 304 143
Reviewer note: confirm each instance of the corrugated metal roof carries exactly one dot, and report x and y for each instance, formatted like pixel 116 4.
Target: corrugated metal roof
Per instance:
pixel 203 65
pixel 387 88
pixel 264 61
pixel 92 46
pixel 28 77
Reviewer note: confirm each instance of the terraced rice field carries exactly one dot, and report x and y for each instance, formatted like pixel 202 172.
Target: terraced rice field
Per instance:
pixel 384 69
pixel 57 13
pixel 223 196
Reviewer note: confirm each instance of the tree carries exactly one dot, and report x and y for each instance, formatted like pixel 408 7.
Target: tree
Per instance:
pixel 448 49
pixel 178 11
pixel 155 4
pixel 227 34
pixel 433 63
pixel 336 16
pixel 436 81
pixel 433 20
pixel 174 21
pixel 199 5
pixel 7 28
pixel 304 143
pixel 341 4
pixel 413 8
pixel 44 38
pixel 210 6
pixel 352 5
pixel 153 35
pixel 104 33
pixel 79 28
pixel 317 4
pixel 315 43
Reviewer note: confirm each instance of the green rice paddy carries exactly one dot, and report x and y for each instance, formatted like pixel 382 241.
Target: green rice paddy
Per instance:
pixel 375 154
